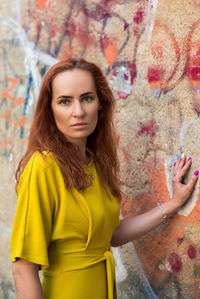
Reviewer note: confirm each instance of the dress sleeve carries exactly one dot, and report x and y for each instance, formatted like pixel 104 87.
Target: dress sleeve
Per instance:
pixel 32 225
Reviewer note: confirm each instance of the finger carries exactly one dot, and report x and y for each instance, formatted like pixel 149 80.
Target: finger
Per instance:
pixel 176 164
pixel 178 161
pixel 178 167
pixel 175 167
pixel 185 167
pixel 182 161
pixel 193 180
pixel 176 172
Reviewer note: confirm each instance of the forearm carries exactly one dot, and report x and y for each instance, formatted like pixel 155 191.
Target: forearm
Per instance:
pixel 28 288
pixel 136 226
pixel 27 283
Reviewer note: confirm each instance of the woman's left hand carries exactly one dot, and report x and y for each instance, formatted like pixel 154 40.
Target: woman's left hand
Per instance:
pixel 136 226
pixel 181 192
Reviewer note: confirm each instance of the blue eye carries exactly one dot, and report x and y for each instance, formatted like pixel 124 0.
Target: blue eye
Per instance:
pixel 87 99
pixel 64 102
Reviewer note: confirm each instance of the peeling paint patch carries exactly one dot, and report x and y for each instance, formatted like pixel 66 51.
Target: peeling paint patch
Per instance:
pixel 179 241
pixel 41 4
pixel 191 252
pixel 193 67
pixel 161 267
pixel 122 80
pixel 138 18
pixel 126 24
pixel 149 129
pixel 175 262
pixel 194 77
pixel 155 78
pixel 111 53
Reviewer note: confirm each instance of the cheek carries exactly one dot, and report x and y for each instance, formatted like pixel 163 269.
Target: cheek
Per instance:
pixel 95 120
pixel 60 118
pixel 95 116
pixel 95 111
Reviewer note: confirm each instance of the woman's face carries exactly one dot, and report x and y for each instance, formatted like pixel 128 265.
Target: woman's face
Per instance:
pixel 75 105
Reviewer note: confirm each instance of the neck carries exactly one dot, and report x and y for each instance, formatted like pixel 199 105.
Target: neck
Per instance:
pixel 83 154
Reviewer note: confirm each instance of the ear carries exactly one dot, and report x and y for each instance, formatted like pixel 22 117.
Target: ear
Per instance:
pixel 100 107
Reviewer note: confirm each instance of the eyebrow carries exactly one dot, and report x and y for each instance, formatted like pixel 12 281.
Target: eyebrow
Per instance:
pixel 82 95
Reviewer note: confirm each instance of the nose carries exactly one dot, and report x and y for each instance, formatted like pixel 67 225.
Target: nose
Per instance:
pixel 78 109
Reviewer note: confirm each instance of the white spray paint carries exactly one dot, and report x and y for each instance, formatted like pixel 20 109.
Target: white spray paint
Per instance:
pixel 151 16
pixel 45 58
pixel 189 206
pixel 121 272
pixel 150 21
pixel 30 63
pixel 18 11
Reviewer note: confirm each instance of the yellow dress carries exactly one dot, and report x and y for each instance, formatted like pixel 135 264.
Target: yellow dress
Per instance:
pixel 65 231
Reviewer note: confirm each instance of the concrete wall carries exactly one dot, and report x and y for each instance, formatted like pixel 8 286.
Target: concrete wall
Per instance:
pixel 150 53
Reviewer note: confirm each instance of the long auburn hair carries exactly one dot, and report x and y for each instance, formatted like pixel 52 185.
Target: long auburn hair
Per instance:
pixel 45 136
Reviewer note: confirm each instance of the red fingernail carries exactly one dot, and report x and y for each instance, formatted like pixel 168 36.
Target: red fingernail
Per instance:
pixel 189 158
pixel 196 173
pixel 174 163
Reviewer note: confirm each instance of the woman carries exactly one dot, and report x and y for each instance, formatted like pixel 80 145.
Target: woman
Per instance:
pixel 67 214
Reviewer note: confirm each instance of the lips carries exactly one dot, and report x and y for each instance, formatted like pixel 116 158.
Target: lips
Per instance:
pixel 79 125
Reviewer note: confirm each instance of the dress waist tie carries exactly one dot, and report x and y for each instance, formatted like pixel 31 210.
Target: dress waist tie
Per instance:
pixel 110 268
pixel 81 260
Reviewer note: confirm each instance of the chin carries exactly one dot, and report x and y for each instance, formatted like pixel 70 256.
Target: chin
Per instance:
pixel 81 134
pixel 77 139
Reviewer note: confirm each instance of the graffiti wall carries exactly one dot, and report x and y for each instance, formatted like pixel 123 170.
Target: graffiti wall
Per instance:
pixel 149 51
